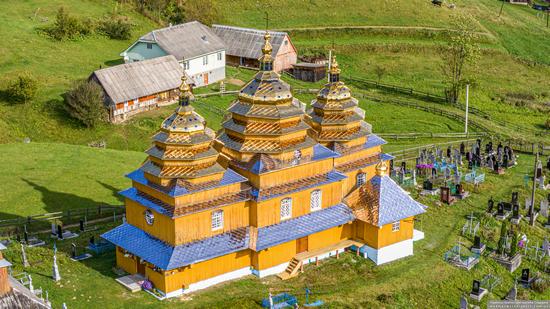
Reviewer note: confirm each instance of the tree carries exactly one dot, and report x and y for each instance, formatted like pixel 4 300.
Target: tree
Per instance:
pixel 23 89
pixel 514 245
pixel 502 240
pixel 459 56
pixel 117 27
pixel 65 27
pixel 84 102
pixel 380 72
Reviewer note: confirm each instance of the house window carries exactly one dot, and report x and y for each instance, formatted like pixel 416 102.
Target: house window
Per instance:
pixel 286 208
pixel 217 220
pixel 395 226
pixel 219 56
pixel 186 65
pixel 316 200
pixel 205 60
pixel 149 45
pixel 361 179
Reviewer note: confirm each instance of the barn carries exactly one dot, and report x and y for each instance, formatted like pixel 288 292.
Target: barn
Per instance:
pixel 243 47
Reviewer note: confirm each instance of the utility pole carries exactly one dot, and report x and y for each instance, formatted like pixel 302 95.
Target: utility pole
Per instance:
pixel 466 117
pixel 532 208
pixel 329 63
pixel 547 14
pixel 501 8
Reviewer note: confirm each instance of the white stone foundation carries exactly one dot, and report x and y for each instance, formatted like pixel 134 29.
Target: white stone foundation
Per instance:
pixel 418 235
pixel 389 253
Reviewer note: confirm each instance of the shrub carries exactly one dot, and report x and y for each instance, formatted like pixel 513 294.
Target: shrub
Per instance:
pixel 117 27
pixel 23 89
pixel 66 27
pixel 547 124
pixel 84 102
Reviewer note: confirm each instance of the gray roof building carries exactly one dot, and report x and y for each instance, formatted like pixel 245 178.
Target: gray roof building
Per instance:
pixel 246 42
pixel 134 80
pixel 185 41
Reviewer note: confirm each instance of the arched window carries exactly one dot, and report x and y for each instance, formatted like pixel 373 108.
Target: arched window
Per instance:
pixel 217 220
pixel 361 179
pixel 316 200
pixel 286 208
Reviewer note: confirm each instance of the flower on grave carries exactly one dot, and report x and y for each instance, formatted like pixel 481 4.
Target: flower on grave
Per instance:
pixel 147 285
pixel 425 166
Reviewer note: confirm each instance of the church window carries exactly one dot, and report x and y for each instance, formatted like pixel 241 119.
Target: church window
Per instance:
pixel 205 60
pixel 219 56
pixel 286 208
pixel 149 46
pixel 361 179
pixel 217 220
pixel 316 200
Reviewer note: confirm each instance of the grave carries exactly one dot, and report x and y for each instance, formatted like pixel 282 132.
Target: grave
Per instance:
pixel 100 246
pixel 477 292
pixel 428 189
pixel 446 196
pixel 544 207
pixel 516 216
pixel 478 246
pixel 81 257
pixel 460 192
pixel 512 294
pixel 498 169
pixel 525 278
pixel 62 234
pixel 501 214
pixel 33 241
pixel 510 263
pixel 463 303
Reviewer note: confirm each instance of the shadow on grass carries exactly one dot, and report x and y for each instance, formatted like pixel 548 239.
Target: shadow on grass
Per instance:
pixel 114 190
pixel 110 63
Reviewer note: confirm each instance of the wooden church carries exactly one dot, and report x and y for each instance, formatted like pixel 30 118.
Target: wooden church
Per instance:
pixel 276 189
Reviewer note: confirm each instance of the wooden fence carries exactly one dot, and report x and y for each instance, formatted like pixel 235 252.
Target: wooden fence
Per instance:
pixel 72 216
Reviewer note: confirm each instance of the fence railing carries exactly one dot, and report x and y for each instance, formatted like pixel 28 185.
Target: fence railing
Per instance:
pixel 40 222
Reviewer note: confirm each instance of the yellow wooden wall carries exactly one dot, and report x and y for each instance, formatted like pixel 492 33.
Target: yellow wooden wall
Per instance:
pixel 269 212
pixel 376 237
pixel 207 269
pixel 129 264
pixel 274 256
pixel 162 228
pixel 198 225
pixel 329 237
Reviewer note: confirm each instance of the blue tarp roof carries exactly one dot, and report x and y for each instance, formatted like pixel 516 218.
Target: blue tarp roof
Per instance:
pixel 229 177
pixel 166 257
pixel 394 203
pixel 314 222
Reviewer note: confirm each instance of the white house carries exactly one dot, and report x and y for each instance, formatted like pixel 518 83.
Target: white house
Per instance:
pixel 199 51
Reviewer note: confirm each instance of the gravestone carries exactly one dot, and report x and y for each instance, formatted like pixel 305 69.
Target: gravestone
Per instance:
pixel 81 225
pixel 463 302
pixel 490 163
pixel 512 294
pixel 477 292
pixel 449 152
pixel 539 170
pixel 515 197
pixel 478 246
pixel 501 212
pixel 59 232
pixel 525 278
pixel 544 208
pixel 516 217
pixel 463 149
pixel 446 196
pixel 470 164
pixel 505 161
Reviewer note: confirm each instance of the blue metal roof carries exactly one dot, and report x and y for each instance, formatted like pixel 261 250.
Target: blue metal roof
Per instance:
pixel 132 193
pixel 394 203
pixel 229 177
pixel 374 140
pixel 332 176
pixel 166 257
pixel 314 222
pixel 321 152
pixel 386 157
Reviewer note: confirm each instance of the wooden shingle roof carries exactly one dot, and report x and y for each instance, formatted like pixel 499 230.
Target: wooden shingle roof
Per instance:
pixel 130 81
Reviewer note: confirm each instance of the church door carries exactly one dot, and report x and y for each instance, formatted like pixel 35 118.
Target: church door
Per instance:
pixel 141 267
pixel 205 75
pixel 301 245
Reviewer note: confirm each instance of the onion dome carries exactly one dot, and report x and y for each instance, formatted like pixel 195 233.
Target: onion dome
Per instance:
pixel 265 118
pixel 381 169
pixel 335 116
pixel 182 148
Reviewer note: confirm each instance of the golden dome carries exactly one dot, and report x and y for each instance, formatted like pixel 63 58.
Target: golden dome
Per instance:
pixel 266 49
pixel 185 91
pixel 381 169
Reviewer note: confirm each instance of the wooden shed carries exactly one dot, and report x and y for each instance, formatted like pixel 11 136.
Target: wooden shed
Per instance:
pixel 309 72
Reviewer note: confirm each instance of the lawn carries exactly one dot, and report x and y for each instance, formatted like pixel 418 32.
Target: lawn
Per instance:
pixel 401 284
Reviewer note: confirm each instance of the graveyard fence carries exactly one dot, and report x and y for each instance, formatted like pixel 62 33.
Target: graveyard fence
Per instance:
pixel 41 222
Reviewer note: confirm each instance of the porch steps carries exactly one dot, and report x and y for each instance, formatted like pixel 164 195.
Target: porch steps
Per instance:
pixel 292 269
pixel 131 282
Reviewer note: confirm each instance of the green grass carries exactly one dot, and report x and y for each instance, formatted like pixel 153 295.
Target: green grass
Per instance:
pixel 71 176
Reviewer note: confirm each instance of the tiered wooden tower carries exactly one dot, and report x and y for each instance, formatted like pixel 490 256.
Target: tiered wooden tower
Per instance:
pixel 276 189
